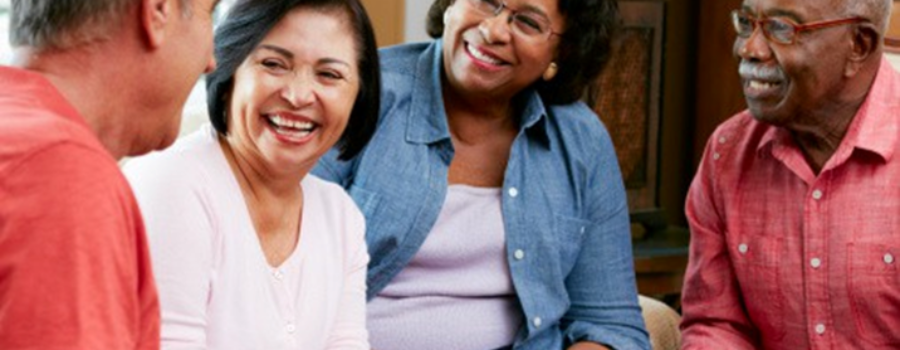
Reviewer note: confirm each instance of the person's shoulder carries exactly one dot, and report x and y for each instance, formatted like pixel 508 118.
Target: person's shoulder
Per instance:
pixel 182 163
pixel 29 132
pixel 578 122
pixel 401 59
pixel 739 131
pixel 326 192
pixel 334 206
pixel 391 55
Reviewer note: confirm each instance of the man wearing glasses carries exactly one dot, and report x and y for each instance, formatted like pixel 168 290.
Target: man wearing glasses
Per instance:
pixel 794 209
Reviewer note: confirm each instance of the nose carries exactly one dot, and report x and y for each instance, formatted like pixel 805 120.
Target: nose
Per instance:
pixel 298 90
pixel 496 29
pixel 753 48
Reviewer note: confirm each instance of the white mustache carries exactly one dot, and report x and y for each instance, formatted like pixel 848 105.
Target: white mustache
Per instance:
pixel 753 71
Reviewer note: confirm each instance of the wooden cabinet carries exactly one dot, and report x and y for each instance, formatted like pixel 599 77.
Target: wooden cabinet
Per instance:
pixel 893 34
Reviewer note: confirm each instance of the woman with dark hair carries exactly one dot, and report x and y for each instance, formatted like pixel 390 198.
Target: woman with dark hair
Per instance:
pixel 249 251
pixel 495 208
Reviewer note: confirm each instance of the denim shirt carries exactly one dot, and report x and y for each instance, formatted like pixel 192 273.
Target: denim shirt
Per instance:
pixel 564 207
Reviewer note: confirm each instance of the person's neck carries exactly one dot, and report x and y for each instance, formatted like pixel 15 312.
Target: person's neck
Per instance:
pixel 93 86
pixel 821 130
pixel 472 119
pixel 261 183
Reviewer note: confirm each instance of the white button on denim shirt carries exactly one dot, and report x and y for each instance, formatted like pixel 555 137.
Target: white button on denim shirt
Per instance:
pixel 565 208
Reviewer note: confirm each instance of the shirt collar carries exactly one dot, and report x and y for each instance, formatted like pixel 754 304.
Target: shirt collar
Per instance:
pixel 24 84
pixel 427 118
pixel 875 126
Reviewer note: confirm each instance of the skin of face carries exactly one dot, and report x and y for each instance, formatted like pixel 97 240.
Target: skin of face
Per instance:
pixel 293 94
pixel 189 53
pixel 785 83
pixel 483 57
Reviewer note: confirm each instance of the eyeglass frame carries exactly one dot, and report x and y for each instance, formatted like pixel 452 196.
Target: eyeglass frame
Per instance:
pixel 512 15
pixel 758 22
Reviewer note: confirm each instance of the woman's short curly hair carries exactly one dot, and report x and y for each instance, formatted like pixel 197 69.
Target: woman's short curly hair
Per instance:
pixel 247 24
pixel 584 46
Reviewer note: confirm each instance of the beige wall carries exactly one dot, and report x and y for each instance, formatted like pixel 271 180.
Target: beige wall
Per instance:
pixel 387 18
pixel 895 60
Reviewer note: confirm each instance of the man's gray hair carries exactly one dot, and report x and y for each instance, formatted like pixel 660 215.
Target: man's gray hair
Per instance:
pixel 877 11
pixel 60 24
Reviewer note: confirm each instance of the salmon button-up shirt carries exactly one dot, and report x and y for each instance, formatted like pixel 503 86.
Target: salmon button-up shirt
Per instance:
pixel 782 258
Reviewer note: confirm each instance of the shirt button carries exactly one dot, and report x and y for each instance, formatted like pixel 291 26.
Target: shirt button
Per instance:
pixel 513 192
pixel 722 139
pixel 716 156
pixel 537 322
pixel 582 229
pixel 290 328
pixel 888 258
pixel 820 328
pixel 278 275
pixel 817 194
pixel 815 262
pixel 742 248
pixel 519 254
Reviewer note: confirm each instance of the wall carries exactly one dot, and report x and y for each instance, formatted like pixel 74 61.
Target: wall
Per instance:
pixel 414 20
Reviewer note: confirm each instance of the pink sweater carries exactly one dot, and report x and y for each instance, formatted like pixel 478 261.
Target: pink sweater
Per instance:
pixel 216 289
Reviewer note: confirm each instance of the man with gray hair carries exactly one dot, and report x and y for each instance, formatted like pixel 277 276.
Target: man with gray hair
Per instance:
pixel 91 81
pixel 795 232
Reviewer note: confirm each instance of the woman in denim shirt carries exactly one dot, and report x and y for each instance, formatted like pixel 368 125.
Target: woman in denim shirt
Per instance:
pixel 495 208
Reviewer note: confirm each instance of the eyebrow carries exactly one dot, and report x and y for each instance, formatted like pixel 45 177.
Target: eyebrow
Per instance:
pixel 775 13
pixel 278 50
pixel 529 8
pixel 290 55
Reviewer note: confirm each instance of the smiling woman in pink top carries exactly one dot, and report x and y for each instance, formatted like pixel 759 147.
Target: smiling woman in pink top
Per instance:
pixel 249 251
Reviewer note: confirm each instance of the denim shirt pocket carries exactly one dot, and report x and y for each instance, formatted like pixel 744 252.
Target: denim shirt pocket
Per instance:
pixel 757 264
pixel 568 235
pixel 874 291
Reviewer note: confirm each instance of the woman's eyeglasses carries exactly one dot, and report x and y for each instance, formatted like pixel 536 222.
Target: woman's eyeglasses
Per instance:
pixel 528 24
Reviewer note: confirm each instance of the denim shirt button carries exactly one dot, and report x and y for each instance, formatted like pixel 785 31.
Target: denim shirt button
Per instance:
pixel 519 254
pixel 513 192
pixel 537 322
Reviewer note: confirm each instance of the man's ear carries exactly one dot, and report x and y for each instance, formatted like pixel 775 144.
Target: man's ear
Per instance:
pixel 865 43
pixel 155 15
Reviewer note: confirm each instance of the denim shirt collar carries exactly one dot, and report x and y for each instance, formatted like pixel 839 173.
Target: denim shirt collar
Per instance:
pixel 428 120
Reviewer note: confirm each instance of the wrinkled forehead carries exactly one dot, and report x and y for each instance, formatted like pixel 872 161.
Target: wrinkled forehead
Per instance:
pixel 799 10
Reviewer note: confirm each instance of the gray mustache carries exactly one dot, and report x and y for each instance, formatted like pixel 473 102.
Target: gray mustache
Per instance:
pixel 749 70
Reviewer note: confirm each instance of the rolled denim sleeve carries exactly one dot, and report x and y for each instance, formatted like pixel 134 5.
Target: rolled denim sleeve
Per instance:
pixel 604 305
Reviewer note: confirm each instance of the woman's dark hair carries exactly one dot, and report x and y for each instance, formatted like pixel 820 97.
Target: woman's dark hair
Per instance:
pixel 249 21
pixel 584 47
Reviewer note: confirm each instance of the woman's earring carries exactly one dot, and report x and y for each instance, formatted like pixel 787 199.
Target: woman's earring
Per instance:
pixel 551 71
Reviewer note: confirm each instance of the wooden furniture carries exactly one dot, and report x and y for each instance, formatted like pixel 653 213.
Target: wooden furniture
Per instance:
pixel 641 98
pixel 892 40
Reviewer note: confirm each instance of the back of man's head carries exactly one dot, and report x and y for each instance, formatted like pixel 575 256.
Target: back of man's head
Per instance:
pixel 60 24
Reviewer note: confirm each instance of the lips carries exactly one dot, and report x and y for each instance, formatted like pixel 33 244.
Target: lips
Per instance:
pixel 291 128
pixel 484 59
pixel 759 89
pixel 761 81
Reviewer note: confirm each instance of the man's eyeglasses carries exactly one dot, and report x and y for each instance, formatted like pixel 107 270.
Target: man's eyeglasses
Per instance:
pixel 529 24
pixel 779 29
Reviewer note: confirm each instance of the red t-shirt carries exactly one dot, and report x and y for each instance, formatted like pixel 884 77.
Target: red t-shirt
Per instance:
pixel 74 264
